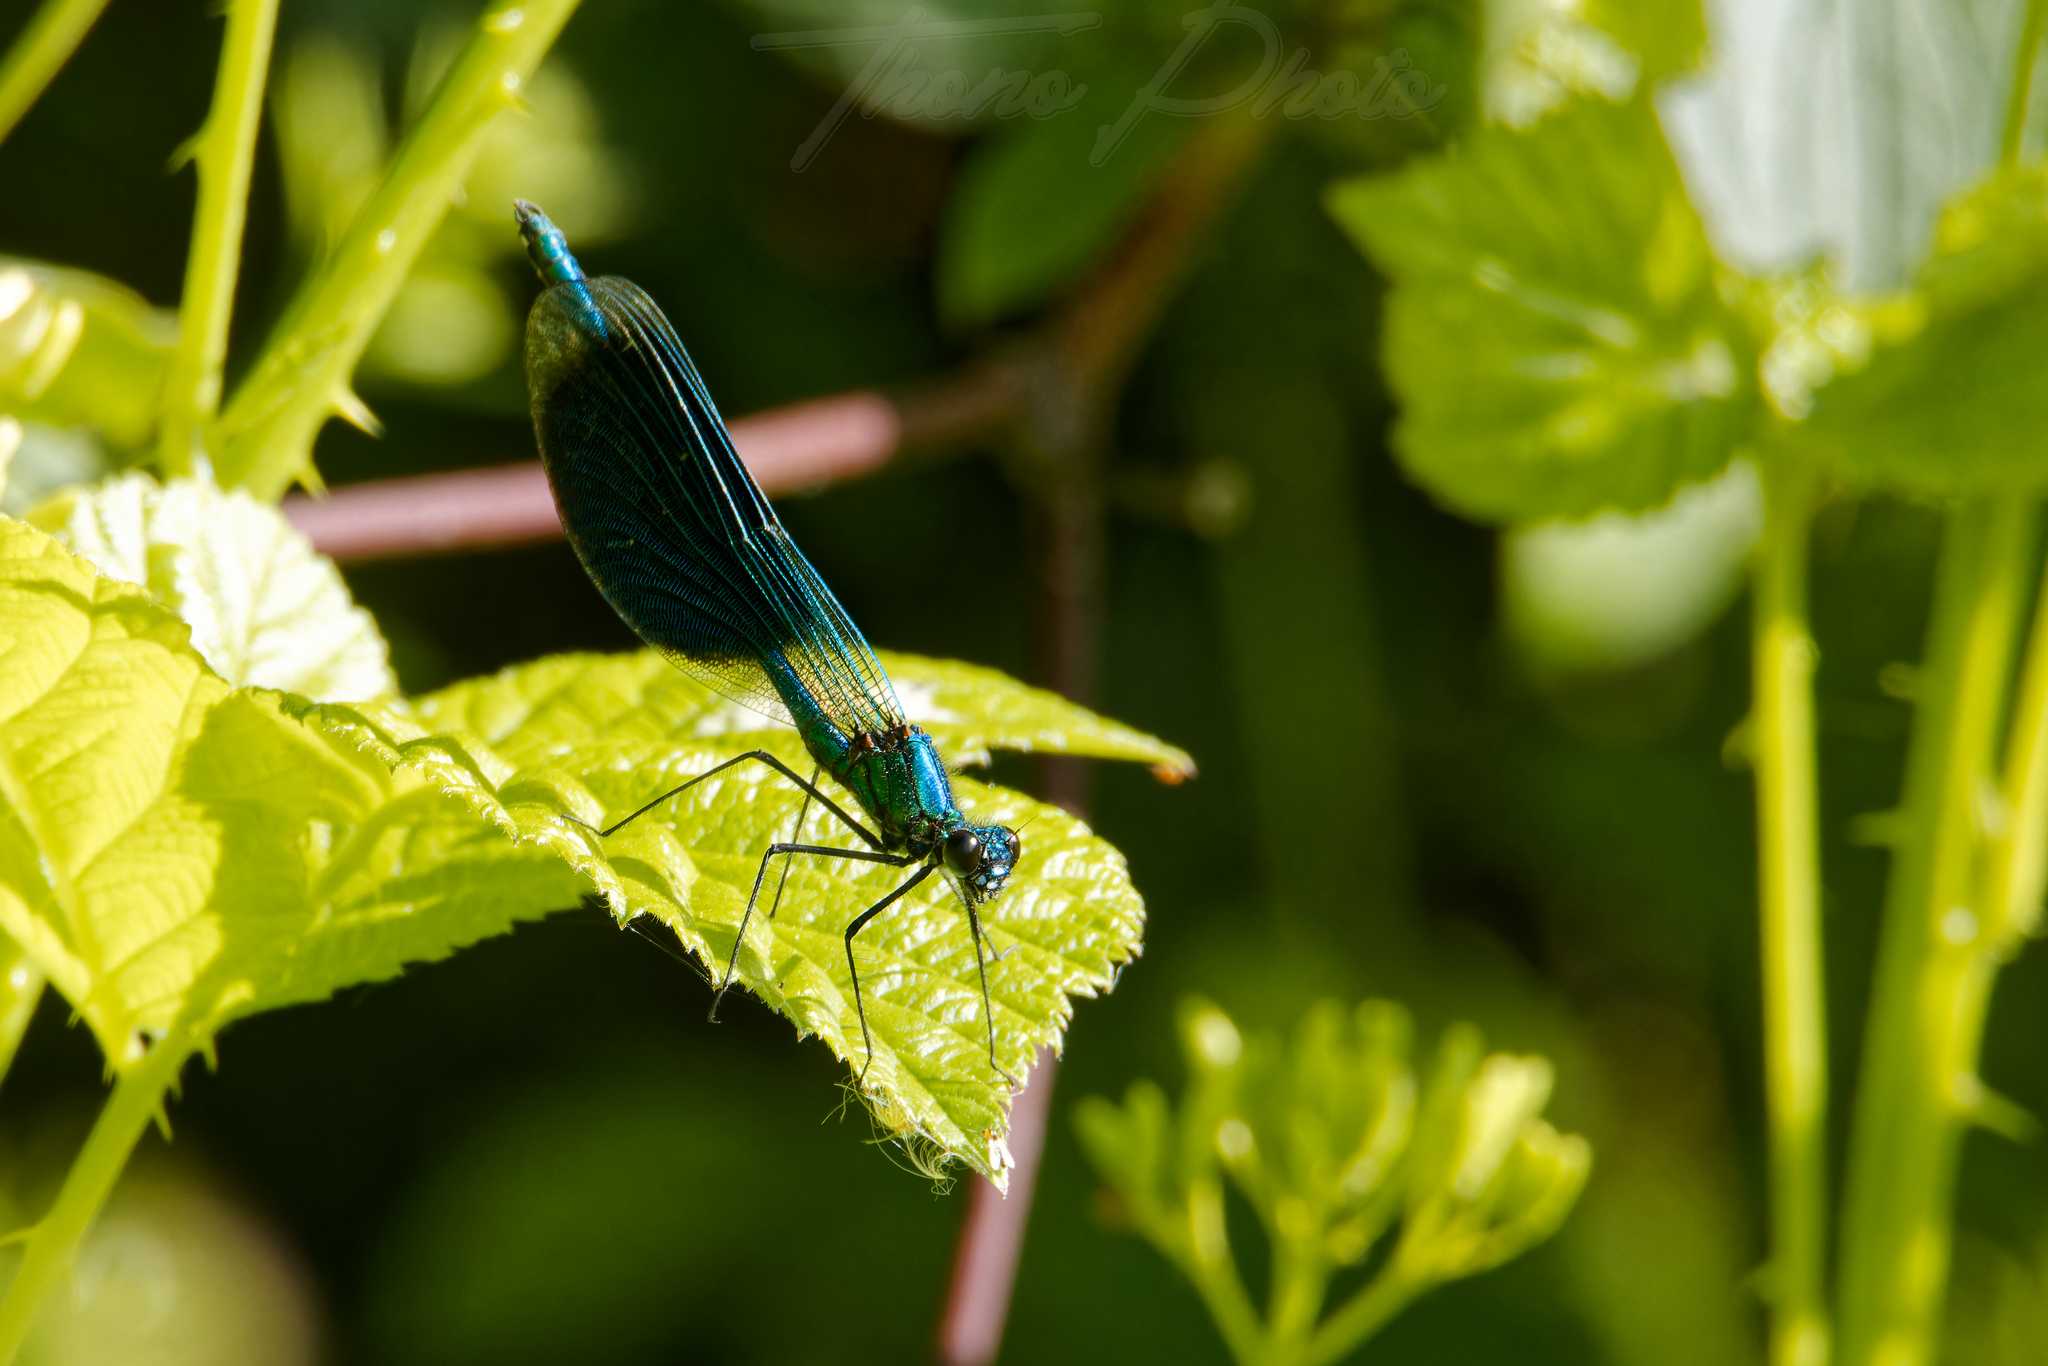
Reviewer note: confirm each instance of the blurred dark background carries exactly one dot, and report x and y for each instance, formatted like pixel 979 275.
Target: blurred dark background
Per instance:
pixel 539 1152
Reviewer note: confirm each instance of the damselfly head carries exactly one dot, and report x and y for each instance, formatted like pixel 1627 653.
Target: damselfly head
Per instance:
pixel 981 858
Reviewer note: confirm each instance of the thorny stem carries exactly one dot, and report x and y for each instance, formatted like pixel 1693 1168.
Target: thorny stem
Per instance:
pixel 1966 887
pixel 44 46
pixel 1914 1096
pixel 225 154
pixel 266 434
pixel 1788 875
pixel 136 1098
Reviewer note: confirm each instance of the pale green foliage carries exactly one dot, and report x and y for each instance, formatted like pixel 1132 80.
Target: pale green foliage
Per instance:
pixel 1555 330
pixel 79 350
pixel 1938 403
pixel 584 702
pixel 265 608
pixel 1621 591
pixel 1564 341
pixel 622 728
pixel 1341 1146
pixel 178 852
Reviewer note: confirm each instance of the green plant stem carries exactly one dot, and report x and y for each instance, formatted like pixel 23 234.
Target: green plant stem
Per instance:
pixel 1208 1264
pixel 224 153
pixel 2018 866
pixel 2020 93
pixel 1788 876
pixel 1300 1279
pixel 1913 1101
pixel 41 51
pixel 1360 1317
pixel 266 434
pixel 137 1097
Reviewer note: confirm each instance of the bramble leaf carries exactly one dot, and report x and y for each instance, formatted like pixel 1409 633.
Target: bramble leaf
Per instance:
pixel 580 701
pixel 265 608
pixel 1555 330
pixel 176 853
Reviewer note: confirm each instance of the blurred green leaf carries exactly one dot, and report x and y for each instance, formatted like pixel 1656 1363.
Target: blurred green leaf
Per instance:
pixel 1619 591
pixel 265 608
pixel 1338 1145
pixel 1031 211
pixel 1540 53
pixel 931 65
pixel 1937 404
pixel 1555 331
pixel 177 854
pixel 77 350
pixel 178 1271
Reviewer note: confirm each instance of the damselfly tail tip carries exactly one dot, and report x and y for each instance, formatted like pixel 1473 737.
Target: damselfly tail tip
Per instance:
pixel 545 245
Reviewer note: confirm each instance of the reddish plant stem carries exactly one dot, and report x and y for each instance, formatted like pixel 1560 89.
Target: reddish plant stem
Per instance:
pixel 1091 346
pixel 805 445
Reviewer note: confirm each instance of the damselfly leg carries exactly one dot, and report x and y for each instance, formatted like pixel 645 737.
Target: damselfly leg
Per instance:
pixel 821 851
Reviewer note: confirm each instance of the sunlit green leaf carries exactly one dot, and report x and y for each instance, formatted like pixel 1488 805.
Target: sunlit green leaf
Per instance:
pixel 586 702
pixel 1938 405
pixel 1555 333
pixel 77 350
pixel 176 853
pixel 265 608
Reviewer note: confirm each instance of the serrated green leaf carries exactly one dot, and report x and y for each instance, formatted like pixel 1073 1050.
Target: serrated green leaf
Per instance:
pixel 623 728
pixel 1068 921
pixel 265 608
pixel 1555 331
pixel 1938 403
pixel 586 701
pixel 176 853
pixel 1000 252
pixel 77 350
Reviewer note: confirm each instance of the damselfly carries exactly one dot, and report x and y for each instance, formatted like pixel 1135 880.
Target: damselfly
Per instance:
pixel 683 544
